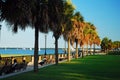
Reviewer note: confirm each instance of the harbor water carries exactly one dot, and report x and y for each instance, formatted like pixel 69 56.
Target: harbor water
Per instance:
pixel 25 51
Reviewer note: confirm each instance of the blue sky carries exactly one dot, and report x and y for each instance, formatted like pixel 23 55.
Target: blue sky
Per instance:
pixel 104 14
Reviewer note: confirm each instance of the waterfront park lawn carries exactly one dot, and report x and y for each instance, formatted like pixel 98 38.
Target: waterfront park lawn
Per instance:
pixel 104 67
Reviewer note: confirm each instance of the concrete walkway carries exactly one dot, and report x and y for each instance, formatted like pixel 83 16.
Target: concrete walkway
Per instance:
pixel 29 68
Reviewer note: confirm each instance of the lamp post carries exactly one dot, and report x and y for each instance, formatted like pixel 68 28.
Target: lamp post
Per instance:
pixel 0 30
pixel 0 38
pixel 45 43
pixel 65 47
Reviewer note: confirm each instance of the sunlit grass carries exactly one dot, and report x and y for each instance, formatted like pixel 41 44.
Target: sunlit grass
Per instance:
pixel 88 68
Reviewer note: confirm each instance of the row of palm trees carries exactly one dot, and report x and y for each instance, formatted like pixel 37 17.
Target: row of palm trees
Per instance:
pixel 49 15
pixel 107 44
pixel 82 33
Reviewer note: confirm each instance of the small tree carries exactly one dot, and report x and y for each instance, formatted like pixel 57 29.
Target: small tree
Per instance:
pixel 104 44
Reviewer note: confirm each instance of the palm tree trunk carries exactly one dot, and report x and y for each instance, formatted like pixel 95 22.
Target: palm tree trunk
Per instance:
pixel 87 50
pixel 36 50
pixel 76 49
pixel 90 49
pixel 94 49
pixel 82 51
pixel 69 50
pixel 56 50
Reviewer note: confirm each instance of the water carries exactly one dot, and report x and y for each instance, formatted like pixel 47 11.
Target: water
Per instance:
pixel 27 51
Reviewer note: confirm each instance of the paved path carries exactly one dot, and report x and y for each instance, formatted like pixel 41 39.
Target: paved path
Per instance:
pixel 29 68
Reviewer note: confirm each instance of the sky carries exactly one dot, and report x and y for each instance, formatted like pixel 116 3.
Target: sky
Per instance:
pixel 104 14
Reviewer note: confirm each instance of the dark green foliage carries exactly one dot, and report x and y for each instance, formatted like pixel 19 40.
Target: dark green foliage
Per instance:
pixel 79 16
pixel 114 53
pixel 17 13
pixel 56 7
pixel 108 44
pixel 68 14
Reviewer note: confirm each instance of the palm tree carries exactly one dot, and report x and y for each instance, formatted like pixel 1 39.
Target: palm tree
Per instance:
pixel 116 44
pixel 56 7
pixel 96 41
pixel 68 12
pixel 85 39
pixel 21 13
pixel 78 29
pixel 92 34
pixel 104 44
pixel 67 37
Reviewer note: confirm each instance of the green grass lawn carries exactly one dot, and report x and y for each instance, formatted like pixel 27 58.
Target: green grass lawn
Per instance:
pixel 89 68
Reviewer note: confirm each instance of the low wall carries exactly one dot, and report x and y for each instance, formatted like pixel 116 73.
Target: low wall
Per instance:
pixel 30 58
pixel 48 56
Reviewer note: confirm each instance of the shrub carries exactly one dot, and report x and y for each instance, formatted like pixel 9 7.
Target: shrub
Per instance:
pixel 114 53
